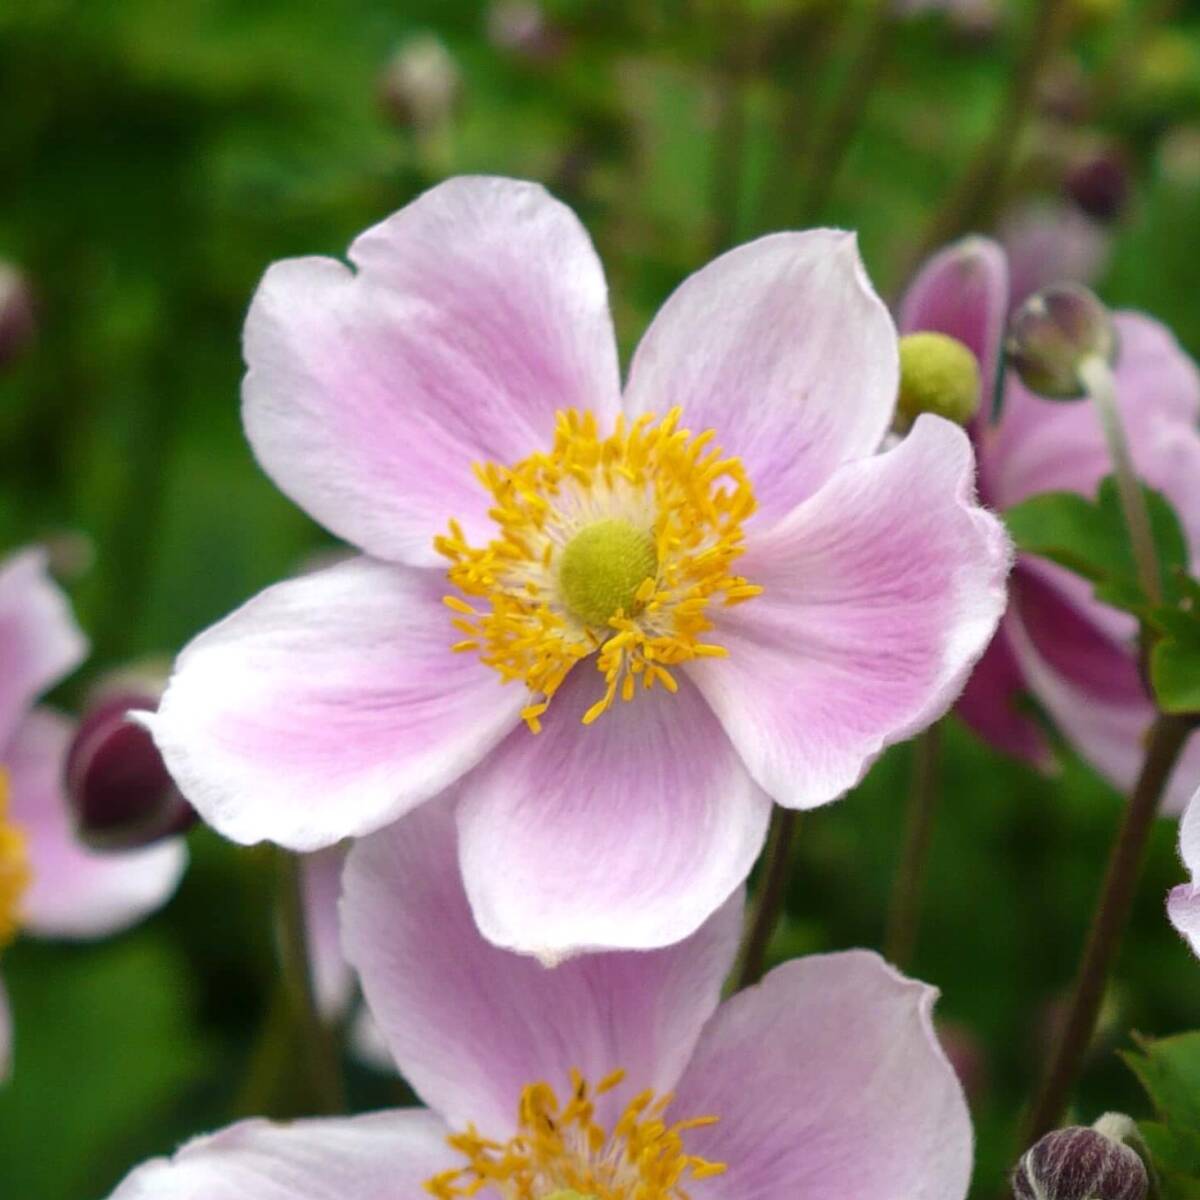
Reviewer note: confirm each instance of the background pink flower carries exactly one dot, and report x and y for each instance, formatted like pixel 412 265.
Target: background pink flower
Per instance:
pixel 72 892
pixel 1074 654
pixel 1183 903
pixel 827 1079
pixel 331 705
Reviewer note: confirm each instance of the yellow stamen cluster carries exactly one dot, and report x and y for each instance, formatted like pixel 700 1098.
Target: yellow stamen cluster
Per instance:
pixel 564 1150
pixel 14 869
pixel 649 492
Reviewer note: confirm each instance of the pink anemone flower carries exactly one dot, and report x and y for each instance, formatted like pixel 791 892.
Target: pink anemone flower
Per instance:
pixel 50 884
pixel 1076 656
pixel 613 641
pixel 616 1074
pixel 1183 902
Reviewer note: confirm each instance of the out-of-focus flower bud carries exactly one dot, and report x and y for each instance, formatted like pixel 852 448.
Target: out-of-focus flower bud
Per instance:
pixel 1079 1163
pixel 521 28
pixel 118 787
pixel 421 84
pixel 939 375
pixel 1053 333
pixel 17 323
pixel 1099 184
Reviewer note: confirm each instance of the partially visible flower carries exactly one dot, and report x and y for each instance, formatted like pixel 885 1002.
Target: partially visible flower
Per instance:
pixel 694 630
pixel 615 1075
pixel 51 885
pixel 1183 902
pixel 421 84
pixel 1048 242
pixel 17 323
pixel 1078 657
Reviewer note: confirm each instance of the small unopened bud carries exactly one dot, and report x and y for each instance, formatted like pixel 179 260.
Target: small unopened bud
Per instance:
pixel 1078 1163
pixel 1099 184
pixel 939 375
pixel 421 84
pixel 118 787
pixel 521 28
pixel 17 324
pixel 1053 334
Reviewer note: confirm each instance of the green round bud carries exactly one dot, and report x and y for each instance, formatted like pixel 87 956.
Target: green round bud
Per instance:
pixel 939 375
pixel 1051 336
pixel 602 568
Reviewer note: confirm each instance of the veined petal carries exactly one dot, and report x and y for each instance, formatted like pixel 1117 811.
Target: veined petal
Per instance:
pixel 624 834
pixel 39 639
pixel 962 291
pixel 476 311
pixel 1183 902
pixel 327 706
pixel 784 349
pixel 828 1081
pixel 881 592
pixel 76 892
pixel 469 1025
pixel 380 1156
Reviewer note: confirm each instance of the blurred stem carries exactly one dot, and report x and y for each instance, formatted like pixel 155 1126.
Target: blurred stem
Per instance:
pixel 730 136
pixel 838 133
pixel 1101 387
pixel 316 1042
pixel 777 866
pixel 1167 738
pixel 904 915
pixel 973 202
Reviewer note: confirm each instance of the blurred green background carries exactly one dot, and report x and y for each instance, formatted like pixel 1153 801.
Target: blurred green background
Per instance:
pixel 155 157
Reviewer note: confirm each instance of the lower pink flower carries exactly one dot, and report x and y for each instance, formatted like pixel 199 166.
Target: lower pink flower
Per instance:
pixel 1183 902
pixel 1076 656
pixel 617 1074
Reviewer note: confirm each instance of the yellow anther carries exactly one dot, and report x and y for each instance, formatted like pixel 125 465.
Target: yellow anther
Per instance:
pixel 14 869
pixel 614 547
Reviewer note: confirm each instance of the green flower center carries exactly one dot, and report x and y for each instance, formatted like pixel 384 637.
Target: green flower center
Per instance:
pixel 602 568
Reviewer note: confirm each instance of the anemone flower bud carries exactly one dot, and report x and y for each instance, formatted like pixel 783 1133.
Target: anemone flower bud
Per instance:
pixel 117 784
pixel 421 84
pixel 1051 336
pixel 17 325
pixel 939 375
pixel 1099 184
pixel 1079 1163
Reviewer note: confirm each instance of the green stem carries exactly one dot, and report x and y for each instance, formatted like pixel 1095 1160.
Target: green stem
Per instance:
pixel 317 1044
pixel 777 865
pixel 1101 387
pixel 831 145
pixel 730 137
pixel 904 915
pixel 981 186
pixel 1168 735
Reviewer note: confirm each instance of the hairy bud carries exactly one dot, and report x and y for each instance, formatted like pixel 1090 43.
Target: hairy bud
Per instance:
pixel 1051 336
pixel 1079 1163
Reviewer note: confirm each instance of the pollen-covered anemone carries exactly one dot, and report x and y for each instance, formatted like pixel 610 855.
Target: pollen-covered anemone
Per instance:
pixel 1077 656
pixel 613 624
pixel 616 1076
pixel 50 884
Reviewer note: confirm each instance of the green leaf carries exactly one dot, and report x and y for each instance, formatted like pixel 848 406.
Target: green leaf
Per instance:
pixel 1169 1069
pixel 1175 672
pixel 1090 538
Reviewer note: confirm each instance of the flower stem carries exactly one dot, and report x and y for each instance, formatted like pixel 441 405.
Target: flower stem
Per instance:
pixel 981 186
pixel 1167 737
pixel 835 138
pixel 730 136
pixel 318 1048
pixel 904 914
pixel 1097 377
pixel 777 867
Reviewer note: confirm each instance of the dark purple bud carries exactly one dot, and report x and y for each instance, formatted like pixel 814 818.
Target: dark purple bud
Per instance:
pixel 1079 1163
pixel 117 784
pixel 1051 336
pixel 17 324
pixel 1099 184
